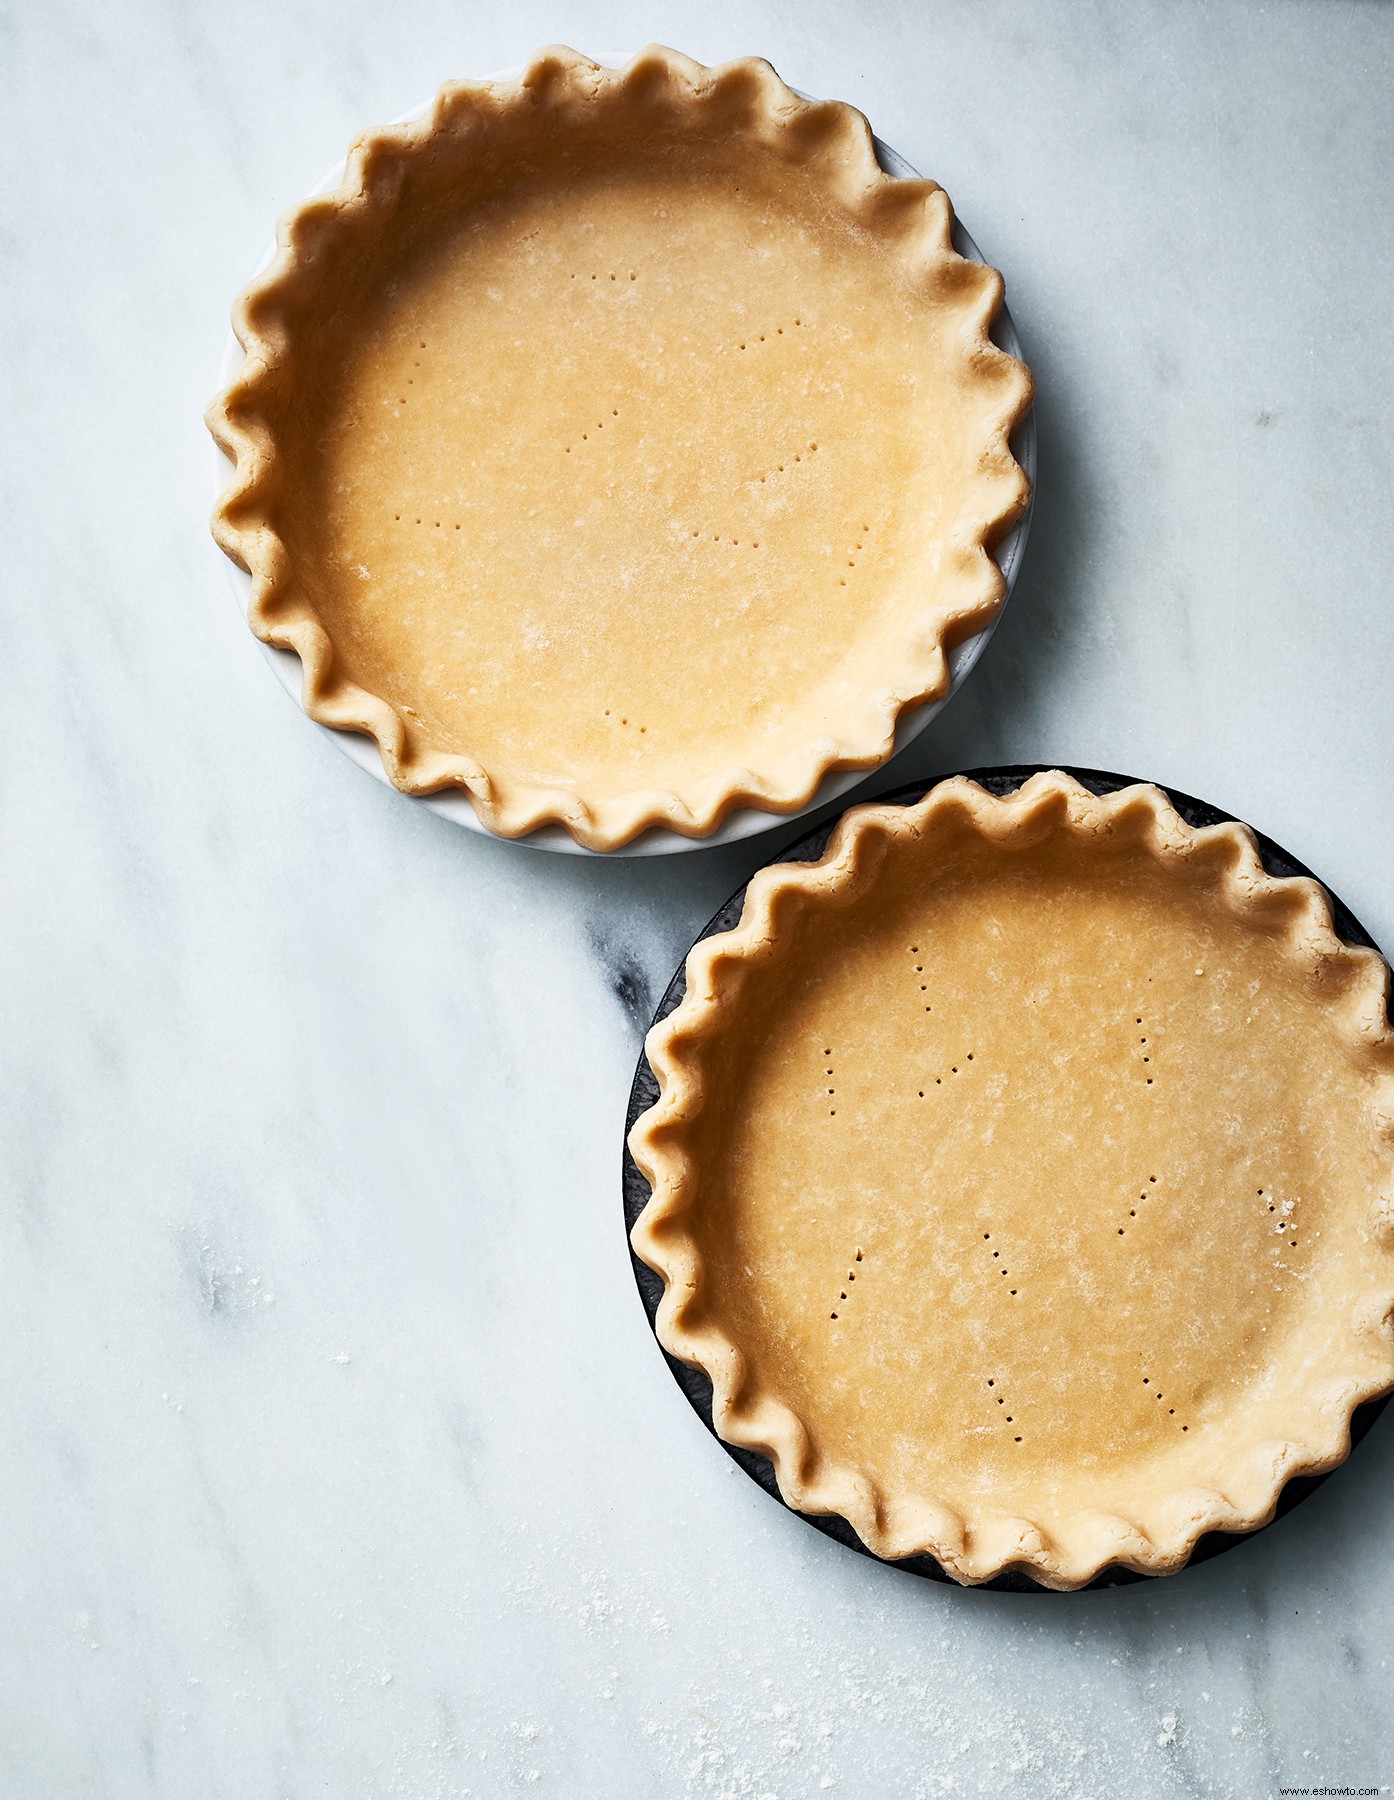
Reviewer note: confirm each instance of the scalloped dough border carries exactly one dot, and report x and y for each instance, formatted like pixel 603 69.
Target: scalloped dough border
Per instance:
pixel 827 134
pixel 977 1549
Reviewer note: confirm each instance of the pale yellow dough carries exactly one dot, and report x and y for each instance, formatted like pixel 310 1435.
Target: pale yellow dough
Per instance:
pixel 1021 1177
pixel 622 445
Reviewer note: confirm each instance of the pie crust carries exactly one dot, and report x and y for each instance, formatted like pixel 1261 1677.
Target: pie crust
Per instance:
pixel 621 446
pixel 1023 1180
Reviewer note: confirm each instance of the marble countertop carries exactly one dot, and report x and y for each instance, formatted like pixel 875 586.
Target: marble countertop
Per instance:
pixel 337 1457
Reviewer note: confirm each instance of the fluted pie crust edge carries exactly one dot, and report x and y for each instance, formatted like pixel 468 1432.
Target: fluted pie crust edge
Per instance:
pixel 974 1547
pixel 826 142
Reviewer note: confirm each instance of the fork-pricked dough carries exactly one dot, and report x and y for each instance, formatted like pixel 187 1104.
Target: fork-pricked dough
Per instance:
pixel 1030 1164
pixel 634 445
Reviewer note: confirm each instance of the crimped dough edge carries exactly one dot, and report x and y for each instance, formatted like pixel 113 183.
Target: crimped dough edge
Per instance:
pixel 830 137
pixel 980 1548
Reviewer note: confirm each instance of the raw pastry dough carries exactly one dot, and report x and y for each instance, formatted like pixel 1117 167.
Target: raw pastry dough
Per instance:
pixel 621 446
pixel 1021 1178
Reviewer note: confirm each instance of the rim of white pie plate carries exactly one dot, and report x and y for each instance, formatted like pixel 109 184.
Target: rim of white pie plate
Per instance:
pixel 746 821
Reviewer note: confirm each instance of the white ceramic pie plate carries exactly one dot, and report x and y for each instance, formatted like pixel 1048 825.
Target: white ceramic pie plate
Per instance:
pixel 454 803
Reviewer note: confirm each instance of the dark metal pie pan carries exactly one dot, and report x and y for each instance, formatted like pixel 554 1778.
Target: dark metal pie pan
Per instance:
pixel 644 1091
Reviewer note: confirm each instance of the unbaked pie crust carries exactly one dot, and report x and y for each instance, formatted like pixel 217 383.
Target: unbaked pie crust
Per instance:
pixel 621 446
pixel 1022 1180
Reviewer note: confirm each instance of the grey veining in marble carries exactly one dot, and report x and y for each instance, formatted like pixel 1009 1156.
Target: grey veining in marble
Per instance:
pixel 335 1456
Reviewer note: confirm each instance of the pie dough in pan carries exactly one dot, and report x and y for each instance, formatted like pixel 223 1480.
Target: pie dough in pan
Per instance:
pixel 621 447
pixel 1021 1179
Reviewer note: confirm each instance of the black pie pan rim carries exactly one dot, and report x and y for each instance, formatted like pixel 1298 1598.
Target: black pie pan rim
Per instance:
pixel 997 779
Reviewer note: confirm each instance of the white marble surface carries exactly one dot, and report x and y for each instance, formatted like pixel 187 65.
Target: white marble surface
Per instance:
pixel 335 1456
